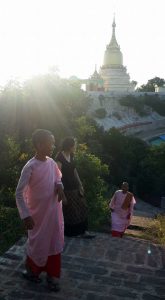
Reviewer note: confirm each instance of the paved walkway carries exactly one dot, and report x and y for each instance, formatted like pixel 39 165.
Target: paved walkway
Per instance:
pixel 145 209
pixel 105 268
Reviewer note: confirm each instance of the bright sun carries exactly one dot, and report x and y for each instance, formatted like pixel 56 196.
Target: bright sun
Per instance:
pixel 72 35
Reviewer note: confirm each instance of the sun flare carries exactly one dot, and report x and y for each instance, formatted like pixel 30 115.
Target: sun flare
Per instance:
pixel 72 35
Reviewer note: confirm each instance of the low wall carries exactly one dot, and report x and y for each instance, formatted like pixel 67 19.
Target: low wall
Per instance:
pixel 142 126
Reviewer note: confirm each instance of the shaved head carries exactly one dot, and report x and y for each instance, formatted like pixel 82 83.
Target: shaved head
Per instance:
pixel 125 186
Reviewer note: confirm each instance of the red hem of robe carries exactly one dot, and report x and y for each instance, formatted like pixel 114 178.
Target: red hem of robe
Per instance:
pixel 52 267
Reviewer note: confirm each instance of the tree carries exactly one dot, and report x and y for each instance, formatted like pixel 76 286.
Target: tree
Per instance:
pixel 92 172
pixel 84 130
pixel 122 154
pixel 43 102
pixel 150 86
pixel 151 177
pixel 134 82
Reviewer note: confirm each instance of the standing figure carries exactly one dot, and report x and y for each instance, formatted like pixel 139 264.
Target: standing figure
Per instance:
pixel 75 211
pixel 38 197
pixel 121 205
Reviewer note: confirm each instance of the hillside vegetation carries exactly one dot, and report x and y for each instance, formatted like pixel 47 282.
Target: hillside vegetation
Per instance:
pixel 104 159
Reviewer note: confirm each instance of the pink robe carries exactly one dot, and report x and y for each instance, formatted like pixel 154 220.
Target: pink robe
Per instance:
pixel 36 197
pixel 120 218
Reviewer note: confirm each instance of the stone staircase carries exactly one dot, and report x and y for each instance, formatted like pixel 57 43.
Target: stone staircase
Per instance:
pixel 104 268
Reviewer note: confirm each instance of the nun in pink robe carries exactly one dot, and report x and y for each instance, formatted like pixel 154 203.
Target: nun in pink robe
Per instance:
pixel 36 196
pixel 120 217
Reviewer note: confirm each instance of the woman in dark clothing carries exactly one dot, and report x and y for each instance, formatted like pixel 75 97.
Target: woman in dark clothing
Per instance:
pixel 75 210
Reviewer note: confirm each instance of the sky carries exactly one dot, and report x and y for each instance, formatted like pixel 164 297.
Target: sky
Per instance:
pixel 72 35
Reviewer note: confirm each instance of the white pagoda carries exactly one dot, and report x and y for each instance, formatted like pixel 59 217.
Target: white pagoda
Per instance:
pixel 113 73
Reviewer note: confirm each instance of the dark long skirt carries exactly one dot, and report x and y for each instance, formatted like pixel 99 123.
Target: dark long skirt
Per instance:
pixel 75 213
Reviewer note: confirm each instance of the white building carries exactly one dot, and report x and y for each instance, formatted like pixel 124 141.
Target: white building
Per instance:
pixel 160 89
pixel 113 74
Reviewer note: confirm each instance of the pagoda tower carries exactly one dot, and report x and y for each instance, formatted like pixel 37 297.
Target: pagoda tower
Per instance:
pixel 113 73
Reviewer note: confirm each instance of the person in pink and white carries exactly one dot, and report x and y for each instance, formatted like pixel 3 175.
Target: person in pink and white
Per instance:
pixel 38 197
pixel 121 206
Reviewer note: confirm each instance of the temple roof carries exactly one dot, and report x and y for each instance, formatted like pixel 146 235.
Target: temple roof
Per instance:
pixel 95 77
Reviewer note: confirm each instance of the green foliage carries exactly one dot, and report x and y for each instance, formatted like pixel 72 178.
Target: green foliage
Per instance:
pixel 11 228
pixel 137 103
pixel 92 171
pixel 9 169
pixel 156 104
pixel 42 102
pixel 100 113
pixel 151 176
pixel 134 82
pixel 131 159
pixel 122 154
pixel 156 230
pixel 84 129
pixel 142 103
pixel 12 160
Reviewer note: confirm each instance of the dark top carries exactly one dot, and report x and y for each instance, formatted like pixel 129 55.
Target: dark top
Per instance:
pixel 68 178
